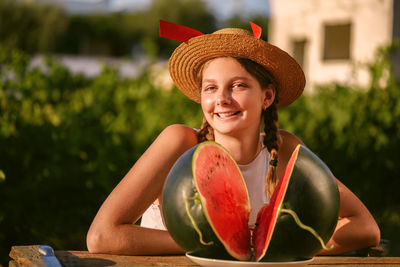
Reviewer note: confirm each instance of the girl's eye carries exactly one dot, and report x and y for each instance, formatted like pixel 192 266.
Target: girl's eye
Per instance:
pixel 209 88
pixel 239 85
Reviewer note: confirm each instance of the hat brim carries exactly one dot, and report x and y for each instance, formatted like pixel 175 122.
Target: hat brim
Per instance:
pixel 187 59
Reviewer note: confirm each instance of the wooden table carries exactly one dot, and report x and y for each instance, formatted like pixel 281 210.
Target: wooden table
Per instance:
pixel 30 256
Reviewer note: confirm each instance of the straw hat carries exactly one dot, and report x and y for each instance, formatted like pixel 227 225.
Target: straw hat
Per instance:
pixel 187 59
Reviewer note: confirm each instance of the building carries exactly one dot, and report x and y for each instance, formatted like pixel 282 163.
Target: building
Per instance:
pixel 331 39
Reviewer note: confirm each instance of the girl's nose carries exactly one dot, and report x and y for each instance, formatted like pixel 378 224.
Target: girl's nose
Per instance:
pixel 224 97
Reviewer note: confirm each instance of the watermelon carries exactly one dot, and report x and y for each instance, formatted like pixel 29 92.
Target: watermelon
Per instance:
pixel 206 207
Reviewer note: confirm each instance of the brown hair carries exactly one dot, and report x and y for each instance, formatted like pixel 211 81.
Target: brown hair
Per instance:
pixel 270 116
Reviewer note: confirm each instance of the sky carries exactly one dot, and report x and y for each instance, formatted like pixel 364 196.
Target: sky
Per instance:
pixel 222 8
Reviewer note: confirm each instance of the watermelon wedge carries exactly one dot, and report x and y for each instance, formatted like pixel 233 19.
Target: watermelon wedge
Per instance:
pixel 224 196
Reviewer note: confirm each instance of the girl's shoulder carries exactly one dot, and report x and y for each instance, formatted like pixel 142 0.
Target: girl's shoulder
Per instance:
pixel 180 134
pixel 288 138
pixel 287 143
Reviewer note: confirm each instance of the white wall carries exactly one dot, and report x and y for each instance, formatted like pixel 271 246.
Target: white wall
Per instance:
pixel 371 22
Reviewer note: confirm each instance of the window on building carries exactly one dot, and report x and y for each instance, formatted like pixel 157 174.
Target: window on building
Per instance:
pixel 337 41
pixel 299 51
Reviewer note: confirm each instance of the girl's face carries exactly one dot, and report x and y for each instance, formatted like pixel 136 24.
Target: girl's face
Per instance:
pixel 231 98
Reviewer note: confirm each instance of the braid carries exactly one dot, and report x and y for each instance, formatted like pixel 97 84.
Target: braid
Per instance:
pixel 206 132
pixel 271 142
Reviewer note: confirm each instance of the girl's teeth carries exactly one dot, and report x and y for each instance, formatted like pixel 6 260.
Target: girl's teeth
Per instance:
pixel 223 115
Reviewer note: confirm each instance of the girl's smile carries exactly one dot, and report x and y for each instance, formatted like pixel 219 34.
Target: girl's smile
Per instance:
pixel 227 115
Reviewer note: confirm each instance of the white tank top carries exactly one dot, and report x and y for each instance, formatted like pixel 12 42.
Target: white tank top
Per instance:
pixel 254 175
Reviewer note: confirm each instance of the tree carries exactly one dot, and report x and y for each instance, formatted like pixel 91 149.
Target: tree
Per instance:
pixel 31 27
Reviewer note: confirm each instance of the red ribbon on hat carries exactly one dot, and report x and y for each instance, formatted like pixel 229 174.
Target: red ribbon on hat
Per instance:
pixel 256 30
pixel 181 33
pixel 177 32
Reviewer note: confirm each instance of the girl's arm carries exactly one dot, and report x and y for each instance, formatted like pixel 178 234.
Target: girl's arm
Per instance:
pixel 356 228
pixel 113 229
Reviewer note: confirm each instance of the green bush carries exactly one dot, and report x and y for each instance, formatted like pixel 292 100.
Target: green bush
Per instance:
pixel 31 27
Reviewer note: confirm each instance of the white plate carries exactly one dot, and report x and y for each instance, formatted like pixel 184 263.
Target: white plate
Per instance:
pixel 226 263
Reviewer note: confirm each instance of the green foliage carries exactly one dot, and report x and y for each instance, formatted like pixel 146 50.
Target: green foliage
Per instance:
pixel 66 141
pixel 30 27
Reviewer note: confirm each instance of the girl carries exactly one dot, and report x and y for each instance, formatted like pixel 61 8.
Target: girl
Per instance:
pixel 240 82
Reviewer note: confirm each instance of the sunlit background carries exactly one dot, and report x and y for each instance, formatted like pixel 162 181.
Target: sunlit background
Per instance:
pixel 84 89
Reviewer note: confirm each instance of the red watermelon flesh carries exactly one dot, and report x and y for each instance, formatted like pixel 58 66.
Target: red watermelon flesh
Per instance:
pixel 224 196
pixel 268 214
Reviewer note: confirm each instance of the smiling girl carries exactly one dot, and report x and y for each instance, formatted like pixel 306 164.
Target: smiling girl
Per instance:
pixel 240 82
